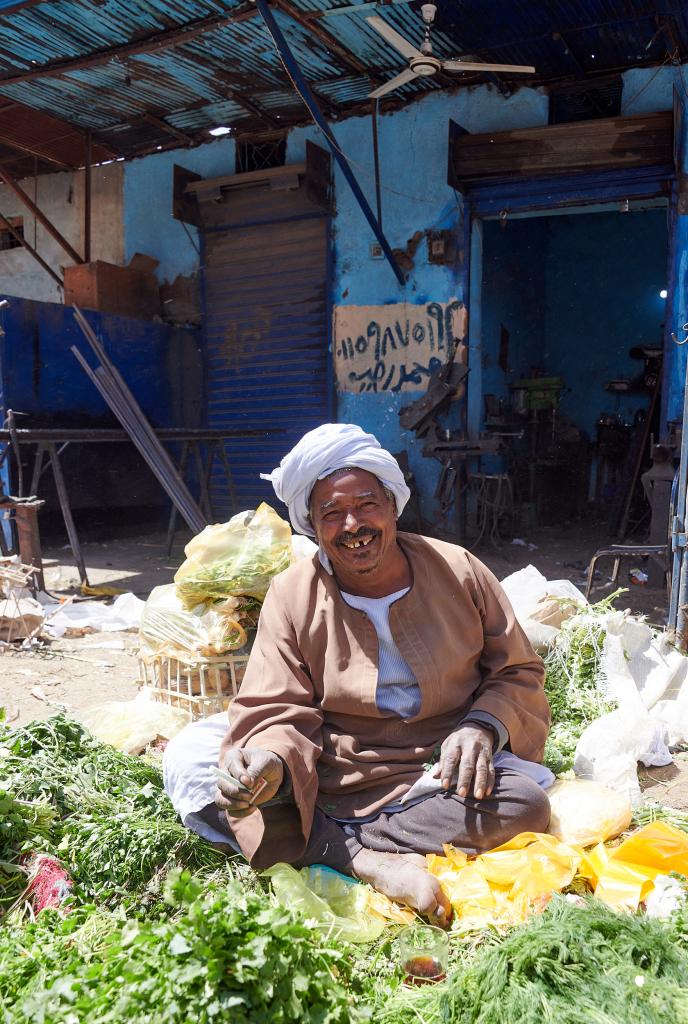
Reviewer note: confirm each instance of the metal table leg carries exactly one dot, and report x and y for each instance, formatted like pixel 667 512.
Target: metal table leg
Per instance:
pixel 172 525
pixel 67 512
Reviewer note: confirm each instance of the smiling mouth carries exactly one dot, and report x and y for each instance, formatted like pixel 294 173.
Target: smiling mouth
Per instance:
pixel 357 542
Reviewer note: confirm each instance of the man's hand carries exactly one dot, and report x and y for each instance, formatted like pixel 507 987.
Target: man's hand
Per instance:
pixel 468 750
pixel 260 772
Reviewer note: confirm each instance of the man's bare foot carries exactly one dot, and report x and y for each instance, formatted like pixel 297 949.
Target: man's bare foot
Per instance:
pixel 404 877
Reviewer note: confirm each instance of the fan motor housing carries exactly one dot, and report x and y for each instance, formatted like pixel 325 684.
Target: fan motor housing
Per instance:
pixel 425 66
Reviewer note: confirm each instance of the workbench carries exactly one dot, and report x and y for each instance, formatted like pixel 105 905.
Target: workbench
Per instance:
pixel 50 443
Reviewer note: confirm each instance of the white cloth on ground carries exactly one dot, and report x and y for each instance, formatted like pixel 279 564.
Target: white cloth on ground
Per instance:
pixel 324 450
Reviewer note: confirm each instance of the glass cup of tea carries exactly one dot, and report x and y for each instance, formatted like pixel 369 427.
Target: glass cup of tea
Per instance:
pixel 423 953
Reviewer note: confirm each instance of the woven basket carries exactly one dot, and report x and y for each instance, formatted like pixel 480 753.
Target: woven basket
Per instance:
pixel 202 686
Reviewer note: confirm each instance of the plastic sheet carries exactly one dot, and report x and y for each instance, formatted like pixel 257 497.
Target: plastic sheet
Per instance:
pixel 542 606
pixel 508 883
pixel 133 725
pixel 238 557
pixel 168 628
pixel 625 876
pixel 585 813
pixel 92 616
pixel 339 905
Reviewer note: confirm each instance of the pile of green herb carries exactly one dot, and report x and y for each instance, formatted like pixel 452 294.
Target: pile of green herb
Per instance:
pixel 572 683
pixel 224 956
pixel 104 814
pixel 571 965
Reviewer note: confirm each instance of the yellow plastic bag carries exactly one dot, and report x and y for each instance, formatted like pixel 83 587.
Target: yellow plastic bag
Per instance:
pixel 339 905
pixel 586 812
pixel 625 876
pixel 506 884
pixel 238 557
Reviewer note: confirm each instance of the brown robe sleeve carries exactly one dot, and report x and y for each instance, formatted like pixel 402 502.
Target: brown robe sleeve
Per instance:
pixel 512 687
pixel 276 710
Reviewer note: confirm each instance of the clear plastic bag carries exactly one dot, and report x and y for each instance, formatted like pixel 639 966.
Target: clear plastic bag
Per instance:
pixel 168 628
pixel 235 558
pixel 340 905
pixel 133 725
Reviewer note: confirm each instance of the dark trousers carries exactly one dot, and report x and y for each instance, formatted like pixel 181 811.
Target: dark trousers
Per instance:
pixel 517 804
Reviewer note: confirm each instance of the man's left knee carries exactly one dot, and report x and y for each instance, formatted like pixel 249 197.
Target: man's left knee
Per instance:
pixel 531 806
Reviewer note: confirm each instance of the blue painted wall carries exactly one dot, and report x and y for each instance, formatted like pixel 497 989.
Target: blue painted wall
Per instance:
pixel 514 297
pixel 149 226
pixel 42 379
pixel 413 151
pixel 576 293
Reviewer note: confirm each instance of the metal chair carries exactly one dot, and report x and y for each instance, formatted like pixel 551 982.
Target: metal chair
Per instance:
pixel 619 551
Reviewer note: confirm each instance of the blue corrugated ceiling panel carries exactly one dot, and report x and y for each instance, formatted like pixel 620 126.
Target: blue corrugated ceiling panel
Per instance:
pixel 184 78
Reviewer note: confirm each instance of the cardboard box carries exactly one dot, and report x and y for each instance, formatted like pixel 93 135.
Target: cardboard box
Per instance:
pixel 127 291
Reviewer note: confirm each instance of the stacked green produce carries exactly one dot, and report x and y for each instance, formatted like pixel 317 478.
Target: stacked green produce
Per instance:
pixel 161 927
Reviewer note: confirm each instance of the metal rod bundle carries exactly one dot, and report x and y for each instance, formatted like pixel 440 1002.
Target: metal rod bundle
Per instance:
pixel 120 400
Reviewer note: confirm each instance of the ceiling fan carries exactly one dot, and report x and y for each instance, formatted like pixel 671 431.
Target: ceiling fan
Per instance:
pixel 422 63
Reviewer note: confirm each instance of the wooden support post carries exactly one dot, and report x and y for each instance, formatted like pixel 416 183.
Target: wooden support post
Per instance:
pixel 30 249
pixel 67 512
pixel 87 198
pixel 28 202
pixel 29 539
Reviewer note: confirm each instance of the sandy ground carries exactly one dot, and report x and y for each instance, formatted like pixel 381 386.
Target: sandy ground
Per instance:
pixel 77 673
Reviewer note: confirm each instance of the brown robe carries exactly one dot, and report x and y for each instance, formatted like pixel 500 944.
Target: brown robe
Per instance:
pixel 309 689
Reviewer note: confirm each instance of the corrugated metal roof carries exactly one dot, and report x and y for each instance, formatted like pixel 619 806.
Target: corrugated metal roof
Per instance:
pixel 107 65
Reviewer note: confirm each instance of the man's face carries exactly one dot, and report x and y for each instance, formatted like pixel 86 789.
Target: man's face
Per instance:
pixel 355 523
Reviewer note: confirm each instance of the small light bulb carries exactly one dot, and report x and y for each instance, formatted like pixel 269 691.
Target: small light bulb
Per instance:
pixel 663 294
pixel 220 130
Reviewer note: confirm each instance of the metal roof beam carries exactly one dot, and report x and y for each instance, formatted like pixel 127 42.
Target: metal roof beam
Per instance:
pixel 308 98
pixel 151 44
pixel 28 202
pixel 169 129
pixel 36 151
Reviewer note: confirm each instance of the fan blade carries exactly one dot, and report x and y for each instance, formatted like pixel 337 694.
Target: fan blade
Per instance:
pixel 392 36
pixel 394 83
pixel 471 65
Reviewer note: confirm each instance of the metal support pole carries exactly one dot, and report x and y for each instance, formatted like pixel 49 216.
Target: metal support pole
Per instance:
pixel 172 525
pixel 376 160
pixel 679 570
pixel 308 98
pixel 62 494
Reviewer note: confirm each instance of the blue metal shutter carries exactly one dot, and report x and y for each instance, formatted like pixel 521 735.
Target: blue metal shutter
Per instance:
pixel 267 331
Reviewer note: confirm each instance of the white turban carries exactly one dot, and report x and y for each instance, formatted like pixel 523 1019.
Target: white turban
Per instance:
pixel 324 450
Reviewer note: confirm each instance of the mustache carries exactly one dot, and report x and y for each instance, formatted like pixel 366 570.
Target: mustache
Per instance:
pixel 364 531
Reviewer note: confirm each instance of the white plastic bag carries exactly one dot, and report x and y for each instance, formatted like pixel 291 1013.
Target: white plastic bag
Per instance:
pixel 529 593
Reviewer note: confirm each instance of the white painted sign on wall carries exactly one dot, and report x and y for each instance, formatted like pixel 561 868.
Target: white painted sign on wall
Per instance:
pixel 395 347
